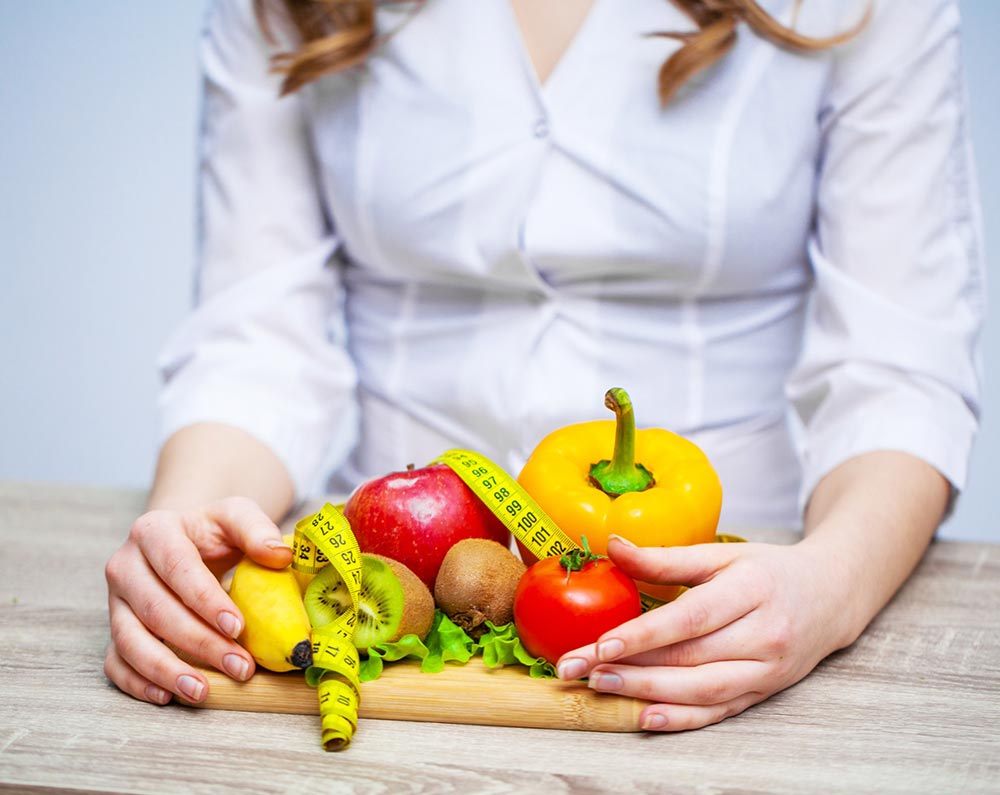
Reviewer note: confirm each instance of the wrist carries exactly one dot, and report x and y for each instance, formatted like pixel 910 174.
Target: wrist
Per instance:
pixel 867 524
pixel 842 577
pixel 203 463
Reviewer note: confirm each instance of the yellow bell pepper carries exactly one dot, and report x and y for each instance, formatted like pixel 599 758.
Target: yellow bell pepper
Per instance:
pixel 651 486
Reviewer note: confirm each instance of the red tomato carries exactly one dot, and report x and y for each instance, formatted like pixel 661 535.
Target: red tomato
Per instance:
pixel 555 614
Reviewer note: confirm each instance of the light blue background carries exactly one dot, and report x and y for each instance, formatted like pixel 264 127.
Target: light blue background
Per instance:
pixel 98 112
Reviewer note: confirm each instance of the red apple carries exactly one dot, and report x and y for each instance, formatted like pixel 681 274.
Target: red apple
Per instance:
pixel 416 516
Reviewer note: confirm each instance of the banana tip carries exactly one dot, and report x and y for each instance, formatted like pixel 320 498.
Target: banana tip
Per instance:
pixel 302 655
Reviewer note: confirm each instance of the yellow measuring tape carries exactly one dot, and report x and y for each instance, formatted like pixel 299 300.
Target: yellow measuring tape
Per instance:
pixel 511 504
pixel 324 538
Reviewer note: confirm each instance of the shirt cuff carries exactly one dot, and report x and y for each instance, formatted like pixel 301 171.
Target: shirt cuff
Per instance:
pixel 944 443
pixel 308 451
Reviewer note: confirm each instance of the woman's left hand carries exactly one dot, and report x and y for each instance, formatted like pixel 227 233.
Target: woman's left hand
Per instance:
pixel 757 619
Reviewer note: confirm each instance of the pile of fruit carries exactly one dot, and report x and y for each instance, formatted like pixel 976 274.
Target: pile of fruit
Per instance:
pixel 427 569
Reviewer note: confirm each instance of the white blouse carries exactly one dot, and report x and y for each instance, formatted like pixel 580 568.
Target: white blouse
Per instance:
pixel 434 250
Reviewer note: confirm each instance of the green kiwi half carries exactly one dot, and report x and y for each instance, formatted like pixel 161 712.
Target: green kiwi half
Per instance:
pixel 393 601
pixel 326 597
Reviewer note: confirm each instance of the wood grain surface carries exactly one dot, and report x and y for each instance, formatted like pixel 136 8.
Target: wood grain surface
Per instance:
pixel 470 693
pixel 911 707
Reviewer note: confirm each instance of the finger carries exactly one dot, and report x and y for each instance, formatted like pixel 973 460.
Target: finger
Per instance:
pixel 735 641
pixel 712 683
pixel 252 530
pixel 681 717
pixel 126 679
pixel 165 547
pixel 683 565
pixel 149 658
pixel 159 610
pixel 693 614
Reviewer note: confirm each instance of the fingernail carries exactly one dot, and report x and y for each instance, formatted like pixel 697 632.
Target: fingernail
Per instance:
pixel 237 666
pixel 605 681
pixel 654 722
pixel 157 694
pixel 572 669
pixel 229 623
pixel 276 543
pixel 190 687
pixel 609 649
pixel 625 541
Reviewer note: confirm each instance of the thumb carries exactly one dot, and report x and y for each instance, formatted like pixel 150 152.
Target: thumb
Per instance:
pixel 251 530
pixel 680 565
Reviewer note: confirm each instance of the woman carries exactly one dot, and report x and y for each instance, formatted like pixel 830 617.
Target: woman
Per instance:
pixel 527 202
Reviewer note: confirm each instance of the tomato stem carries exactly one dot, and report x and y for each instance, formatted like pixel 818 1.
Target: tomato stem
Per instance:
pixel 576 559
pixel 621 474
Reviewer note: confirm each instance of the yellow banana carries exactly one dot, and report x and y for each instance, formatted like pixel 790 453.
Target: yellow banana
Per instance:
pixel 277 628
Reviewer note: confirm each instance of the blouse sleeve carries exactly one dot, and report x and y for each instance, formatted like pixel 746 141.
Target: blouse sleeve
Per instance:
pixel 891 354
pixel 263 349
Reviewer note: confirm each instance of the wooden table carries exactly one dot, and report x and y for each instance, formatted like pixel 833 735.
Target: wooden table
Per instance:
pixel 913 706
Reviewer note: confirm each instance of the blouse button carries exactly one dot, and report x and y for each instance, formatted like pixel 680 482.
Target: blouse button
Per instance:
pixel 541 128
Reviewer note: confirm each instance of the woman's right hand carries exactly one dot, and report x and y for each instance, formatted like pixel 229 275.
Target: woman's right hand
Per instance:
pixel 163 585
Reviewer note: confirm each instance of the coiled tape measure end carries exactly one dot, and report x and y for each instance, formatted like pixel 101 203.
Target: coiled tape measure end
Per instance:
pixel 323 538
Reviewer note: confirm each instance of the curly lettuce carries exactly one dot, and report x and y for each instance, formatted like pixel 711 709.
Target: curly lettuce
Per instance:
pixel 447 642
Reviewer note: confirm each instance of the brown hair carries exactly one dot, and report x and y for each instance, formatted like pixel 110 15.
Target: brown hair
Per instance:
pixel 337 34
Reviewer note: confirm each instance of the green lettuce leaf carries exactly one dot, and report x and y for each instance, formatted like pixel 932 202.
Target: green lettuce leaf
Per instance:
pixel 501 646
pixel 446 642
pixel 407 646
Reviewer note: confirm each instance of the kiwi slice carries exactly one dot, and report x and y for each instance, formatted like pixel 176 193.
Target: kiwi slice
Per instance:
pixel 476 584
pixel 326 597
pixel 393 601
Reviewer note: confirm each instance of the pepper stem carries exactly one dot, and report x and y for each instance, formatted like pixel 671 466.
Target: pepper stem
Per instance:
pixel 621 474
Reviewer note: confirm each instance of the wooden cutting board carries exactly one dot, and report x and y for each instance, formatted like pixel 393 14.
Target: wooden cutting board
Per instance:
pixel 470 693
